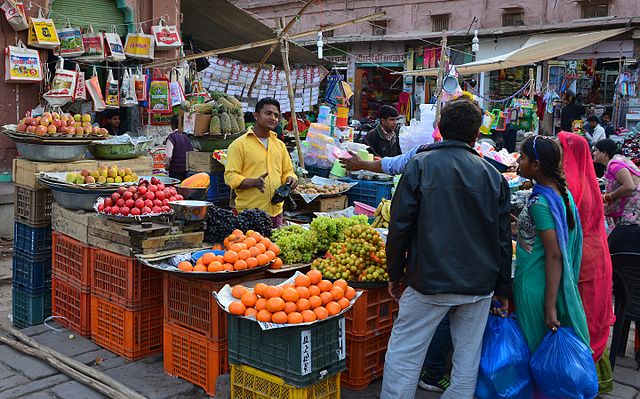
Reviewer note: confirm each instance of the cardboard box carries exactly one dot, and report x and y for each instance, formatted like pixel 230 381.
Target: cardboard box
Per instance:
pixel 319 204
pixel 196 124
pixel 198 161
pixel 74 224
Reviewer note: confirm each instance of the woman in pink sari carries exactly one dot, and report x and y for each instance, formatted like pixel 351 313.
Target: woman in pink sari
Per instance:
pixel 595 282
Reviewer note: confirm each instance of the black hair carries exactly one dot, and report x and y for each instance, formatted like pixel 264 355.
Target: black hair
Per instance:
pixel 607 114
pixel 460 120
pixel 549 153
pixel 387 111
pixel 608 146
pixel 593 118
pixel 267 101
pixel 175 122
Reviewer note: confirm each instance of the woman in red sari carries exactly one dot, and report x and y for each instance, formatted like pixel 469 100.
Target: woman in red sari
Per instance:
pixel 595 269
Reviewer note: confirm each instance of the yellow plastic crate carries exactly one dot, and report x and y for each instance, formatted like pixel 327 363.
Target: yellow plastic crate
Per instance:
pixel 250 383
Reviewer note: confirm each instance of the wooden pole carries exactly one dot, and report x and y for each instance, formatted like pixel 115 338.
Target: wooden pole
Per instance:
pixel 284 50
pixel 443 58
pixel 532 84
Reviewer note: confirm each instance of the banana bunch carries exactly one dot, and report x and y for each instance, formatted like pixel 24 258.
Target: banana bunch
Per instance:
pixel 382 214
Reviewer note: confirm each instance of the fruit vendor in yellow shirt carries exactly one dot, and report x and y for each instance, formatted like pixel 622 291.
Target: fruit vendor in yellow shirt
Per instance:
pixel 258 163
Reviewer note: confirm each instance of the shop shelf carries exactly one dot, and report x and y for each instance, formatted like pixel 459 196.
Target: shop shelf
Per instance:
pixel 368 192
pixel 133 334
pixel 72 306
pixel 283 351
pixel 194 357
pixel 374 311
pixel 30 307
pixel 250 383
pixel 123 280
pixel 33 207
pixel 365 359
pixel 34 240
pixel 33 273
pixel 70 261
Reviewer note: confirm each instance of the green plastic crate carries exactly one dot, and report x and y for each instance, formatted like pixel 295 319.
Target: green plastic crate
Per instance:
pixel 30 307
pixel 281 351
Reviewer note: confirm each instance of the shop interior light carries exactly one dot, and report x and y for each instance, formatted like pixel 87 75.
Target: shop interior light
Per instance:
pixel 475 43
pixel 320 44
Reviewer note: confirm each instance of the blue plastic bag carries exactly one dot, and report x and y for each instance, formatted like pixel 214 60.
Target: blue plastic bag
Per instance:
pixel 504 364
pixel 562 366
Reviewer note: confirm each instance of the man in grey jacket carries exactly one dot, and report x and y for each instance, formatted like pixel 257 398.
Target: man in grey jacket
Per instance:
pixel 449 244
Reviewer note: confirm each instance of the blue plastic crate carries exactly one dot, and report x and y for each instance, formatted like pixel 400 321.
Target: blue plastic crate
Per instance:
pixel 218 190
pixel 31 272
pixel 30 307
pixel 368 192
pixel 316 171
pixel 36 241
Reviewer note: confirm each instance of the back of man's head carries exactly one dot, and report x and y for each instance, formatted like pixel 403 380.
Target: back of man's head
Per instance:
pixel 175 122
pixel 460 120
pixel 387 111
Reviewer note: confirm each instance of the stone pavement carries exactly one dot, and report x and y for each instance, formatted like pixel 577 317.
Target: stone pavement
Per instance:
pixel 25 377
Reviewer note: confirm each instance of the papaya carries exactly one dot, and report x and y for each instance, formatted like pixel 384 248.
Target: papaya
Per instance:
pixel 199 180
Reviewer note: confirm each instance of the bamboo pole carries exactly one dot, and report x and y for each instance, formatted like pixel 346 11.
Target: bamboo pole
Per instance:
pixel 284 50
pixel 532 84
pixel 443 58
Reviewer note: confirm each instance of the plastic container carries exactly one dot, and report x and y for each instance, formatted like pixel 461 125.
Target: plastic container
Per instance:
pixel 218 190
pixel 133 334
pixel 365 359
pixel 364 209
pixel 315 171
pixel 33 207
pixel 29 307
pixel 36 241
pixel 33 273
pixel 193 357
pixel 123 280
pixel 250 383
pixel 372 313
pixel 71 261
pixel 72 305
pixel 282 353
pixel 368 192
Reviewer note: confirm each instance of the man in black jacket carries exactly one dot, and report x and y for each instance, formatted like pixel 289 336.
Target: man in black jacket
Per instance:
pixel 449 243
pixel 383 141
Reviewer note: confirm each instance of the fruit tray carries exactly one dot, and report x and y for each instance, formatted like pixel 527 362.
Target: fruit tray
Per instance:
pixel 362 284
pixel 11 130
pixel 170 263
pixel 60 179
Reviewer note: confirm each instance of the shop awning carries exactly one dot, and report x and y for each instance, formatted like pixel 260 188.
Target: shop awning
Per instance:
pixel 214 24
pixel 537 48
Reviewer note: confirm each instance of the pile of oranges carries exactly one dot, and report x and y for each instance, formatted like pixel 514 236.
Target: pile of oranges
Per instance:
pixel 241 252
pixel 311 298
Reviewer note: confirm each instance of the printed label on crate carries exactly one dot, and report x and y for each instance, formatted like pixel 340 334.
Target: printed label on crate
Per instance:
pixel 342 340
pixel 305 351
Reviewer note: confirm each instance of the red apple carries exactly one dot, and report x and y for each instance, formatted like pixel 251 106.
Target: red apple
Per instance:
pixel 148 203
pixel 135 211
pixel 107 210
pixel 133 189
pixel 166 208
pixel 115 210
pixel 179 197
pixel 124 211
pixel 121 190
pixel 165 202
pixel 160 195
pixel 172 198
pixel 153 188
pixel 146 210
pixel 150 195
pixel 127 195
pixel 100 207
pixel 157 202
pixel 115 196
pixel 139 203
pixel 160 186
pixel 142 190
pixel 156 209
pixel 108 201
pixel 120 203
pixel 130 203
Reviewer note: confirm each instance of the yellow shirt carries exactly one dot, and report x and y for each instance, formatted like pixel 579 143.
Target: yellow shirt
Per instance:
pixel 248 158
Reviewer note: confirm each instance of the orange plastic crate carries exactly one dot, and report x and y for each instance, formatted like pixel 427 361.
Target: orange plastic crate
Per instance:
pixel 365 359
pixel 72 305
pixel 373 312
pixel 123 280
pixel 194 357
pixel 133 334
pixel 70 261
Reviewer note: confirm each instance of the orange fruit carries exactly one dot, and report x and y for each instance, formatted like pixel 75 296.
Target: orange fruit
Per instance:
pixel 333 308
pixel 240 265
pixel 185 266
pixel 303 292
pixel 230 257
pixel 261 248
pixel 259 288
pixel 215 266
pixel 321 312
pixel 262 259
pixel 226 242
pixel 217 247
pixel 237 233
pixel 279 317
pixel 315 301
pixel 249 299
pixel 254 251
pixel 266 242
pixel 326 297
pixel 325 285
pixel 200 268
pixel 315 276
pixel 272 292
pixel 263 315
pixel 199 261
pixel 308 316
pixel 314 290
pixel 277 263
pixel 336 292
pixel 290 307
pixel 237 308
pixel 252 262
pixel 250 242
pixel 261 303
pixel 208 258
pixel 290 294
pixel 228 267
pixel 244 254
pixel 275 249
pixel 344 303
pixel 350 293
pixel 219 258
pixel 285 286
pixel 238 291
pixel 303 304
pixel 303 281
pixel 236 247
pixel 275 304
pixel 294 318
pixel 270 255
pixel 341 283
pixel 256 236
pixel 250 312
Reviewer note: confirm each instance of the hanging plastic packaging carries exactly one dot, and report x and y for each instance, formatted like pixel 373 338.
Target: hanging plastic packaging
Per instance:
pixel 140 45
pixel 112 92
pixel 504 364
pixel 166 36
pixel 159 101
pixel 128 90
pixel 114 51
pixel 81 88
pixel 70 41
pixel 22 64
pixel 140 81
pixel 93 46
pixel 14 12
pixel 176 94
pixel 42 33
pixel 562 366
pixel 63 86
pixel 95 92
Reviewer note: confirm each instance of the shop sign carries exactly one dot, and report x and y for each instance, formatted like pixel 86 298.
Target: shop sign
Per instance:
pixel 305 352
pixel 336 59
pixel 379 58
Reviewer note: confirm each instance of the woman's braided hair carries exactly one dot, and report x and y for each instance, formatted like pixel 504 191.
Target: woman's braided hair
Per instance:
pixel 549 153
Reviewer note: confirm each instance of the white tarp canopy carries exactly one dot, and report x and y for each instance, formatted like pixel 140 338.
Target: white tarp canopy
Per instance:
pixel 537 48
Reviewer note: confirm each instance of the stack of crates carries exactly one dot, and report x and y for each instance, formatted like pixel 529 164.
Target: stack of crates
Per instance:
pixel 301 362
pixel 368 192
pixel 126 305
pixel 31 256
pixel 368 329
